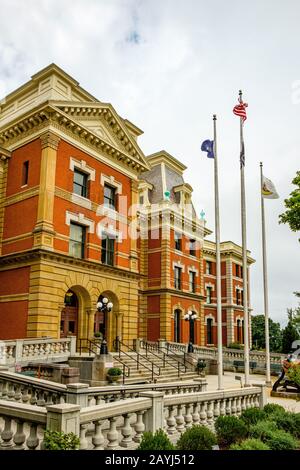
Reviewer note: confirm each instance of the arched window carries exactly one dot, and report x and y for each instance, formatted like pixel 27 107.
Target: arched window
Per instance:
pixel 69 315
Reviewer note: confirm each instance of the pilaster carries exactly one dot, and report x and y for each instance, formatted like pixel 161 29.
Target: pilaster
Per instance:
pixel 44 230
pixel 133 227
pixel 4 158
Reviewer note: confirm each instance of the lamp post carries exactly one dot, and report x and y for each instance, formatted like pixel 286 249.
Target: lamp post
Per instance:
pixel 190 317
pixel 105 306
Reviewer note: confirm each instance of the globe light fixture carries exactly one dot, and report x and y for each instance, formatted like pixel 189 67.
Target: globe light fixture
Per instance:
pixel 191 317
pixel 105 306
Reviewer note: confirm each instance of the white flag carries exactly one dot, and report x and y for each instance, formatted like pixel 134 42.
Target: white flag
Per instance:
pixel 268 189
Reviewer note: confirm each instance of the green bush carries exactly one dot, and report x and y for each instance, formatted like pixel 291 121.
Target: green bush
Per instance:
pixel 273 408
pixel 230 429
pixel 275 438
pixel 293 373
pixel 250 444
pixel 197 438
pixel 54 440
pixel 113 371
pixel 235 346
pixel 289 422
pixel 252 416
pixel 158 441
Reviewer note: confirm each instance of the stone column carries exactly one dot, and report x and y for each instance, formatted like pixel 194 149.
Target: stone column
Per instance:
pixel 4 158
pixel 133 227
pixel 44 230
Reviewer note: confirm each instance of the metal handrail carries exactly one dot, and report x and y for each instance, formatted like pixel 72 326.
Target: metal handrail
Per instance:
pixel 164 359
pixel 177 355
pixel 98 346
pixel 117 344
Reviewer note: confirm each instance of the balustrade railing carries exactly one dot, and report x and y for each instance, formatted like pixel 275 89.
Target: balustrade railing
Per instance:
pixel 22 351
pixel 120 425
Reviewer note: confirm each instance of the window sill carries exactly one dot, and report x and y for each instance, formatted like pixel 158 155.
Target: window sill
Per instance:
pixel 81 201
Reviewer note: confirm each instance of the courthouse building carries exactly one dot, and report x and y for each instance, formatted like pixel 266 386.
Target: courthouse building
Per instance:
pixel 84 213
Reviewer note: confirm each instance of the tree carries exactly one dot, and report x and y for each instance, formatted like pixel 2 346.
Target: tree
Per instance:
pixel 289 335
pixel 292 215
pixel 258 333
pixel 295 315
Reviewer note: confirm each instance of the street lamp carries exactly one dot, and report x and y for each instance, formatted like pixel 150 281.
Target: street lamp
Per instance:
pixel 190 317
pixel 105 306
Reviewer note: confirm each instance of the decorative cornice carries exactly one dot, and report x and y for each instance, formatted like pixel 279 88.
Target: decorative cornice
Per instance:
pixel 65 260
pixel 49 139
pixel 47 115
pixel 4 154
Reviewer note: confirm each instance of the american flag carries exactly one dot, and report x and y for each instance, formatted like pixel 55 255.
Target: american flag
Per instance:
pixel 240 110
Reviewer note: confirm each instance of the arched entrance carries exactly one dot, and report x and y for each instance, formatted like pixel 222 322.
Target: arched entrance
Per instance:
pixel 109 324
pixel 69 315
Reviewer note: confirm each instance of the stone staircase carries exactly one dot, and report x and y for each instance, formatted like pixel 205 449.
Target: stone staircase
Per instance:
pixel 143 374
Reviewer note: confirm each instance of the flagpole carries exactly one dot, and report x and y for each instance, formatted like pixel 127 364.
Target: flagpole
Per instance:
pixel 218 261
pixel 265 278
pixel 244 248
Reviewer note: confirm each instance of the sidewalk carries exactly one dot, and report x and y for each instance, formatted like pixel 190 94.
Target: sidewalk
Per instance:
pixel 230 382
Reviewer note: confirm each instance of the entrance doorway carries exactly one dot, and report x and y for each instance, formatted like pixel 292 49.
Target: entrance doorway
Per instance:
pixel 69 315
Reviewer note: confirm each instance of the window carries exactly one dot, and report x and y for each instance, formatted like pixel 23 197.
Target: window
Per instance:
pixel 177 315
pixel 177 238
pixel 193 247
pixel 25 171
pixel 208 265
pixel 177 277
pixel 238 331
pixel 77 240
pixel 208 295
pixel 108 250
pixel 209 331
pixel 80 183
pixel 109 196
pixel 242 297
pixel 238 299
pixel 238 270
pixel 192 281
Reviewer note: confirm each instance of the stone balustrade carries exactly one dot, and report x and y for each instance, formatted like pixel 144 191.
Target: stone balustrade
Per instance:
pixel 120 425
pixel 228 354
pixel 23 389
pixel 24 351
pixel 21 425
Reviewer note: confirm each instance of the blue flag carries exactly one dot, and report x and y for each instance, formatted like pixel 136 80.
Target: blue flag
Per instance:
pixel 208 146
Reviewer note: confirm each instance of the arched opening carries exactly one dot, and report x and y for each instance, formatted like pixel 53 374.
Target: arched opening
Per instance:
pixel 69 315
pixel 108 323
pixel 177 329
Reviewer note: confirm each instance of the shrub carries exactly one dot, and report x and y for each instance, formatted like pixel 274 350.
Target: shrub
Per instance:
pixel 272 408
pixel 158 441
pixel 293 373
pixel 250 444
pixel 289 422
pixel 275 438
pixel 230 429
pixel 235 346
pixel 54 440
pixel 197 438
pixel 252 416
pixel 113 371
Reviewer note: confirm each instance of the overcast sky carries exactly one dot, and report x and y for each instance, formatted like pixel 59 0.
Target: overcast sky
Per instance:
pixel 168 65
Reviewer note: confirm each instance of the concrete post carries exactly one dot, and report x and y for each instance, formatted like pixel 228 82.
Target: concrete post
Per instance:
pixel 137 345
pixel 154 417
pixel 202 384
pixel 263 394
pixel 63 418
pixel 19 349
pixel 77 394
pixel 72 345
